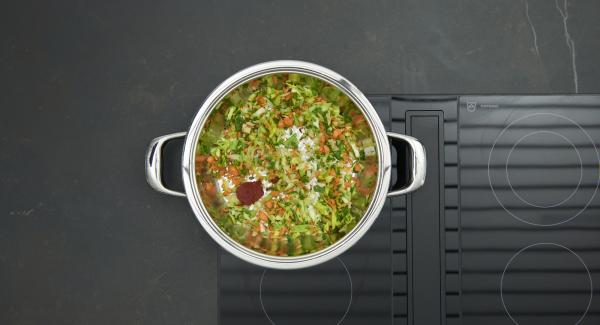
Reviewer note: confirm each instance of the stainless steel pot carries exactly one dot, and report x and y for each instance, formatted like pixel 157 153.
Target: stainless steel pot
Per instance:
pixel 381 192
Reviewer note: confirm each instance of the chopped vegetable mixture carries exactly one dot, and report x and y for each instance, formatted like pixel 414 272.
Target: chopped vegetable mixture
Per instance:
pixel 286 164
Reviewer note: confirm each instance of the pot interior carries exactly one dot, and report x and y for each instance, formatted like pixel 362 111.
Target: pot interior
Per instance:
pixel 286 164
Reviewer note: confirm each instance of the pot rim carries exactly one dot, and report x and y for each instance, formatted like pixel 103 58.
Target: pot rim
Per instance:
pixel 379 193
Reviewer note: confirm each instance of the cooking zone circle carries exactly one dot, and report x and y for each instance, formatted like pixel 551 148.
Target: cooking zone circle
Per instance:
pixel 542 274
pixel 529 201
pixel 329 279
pixel 559 184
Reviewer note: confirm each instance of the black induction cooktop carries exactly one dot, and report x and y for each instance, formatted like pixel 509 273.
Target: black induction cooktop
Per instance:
pixel 506 229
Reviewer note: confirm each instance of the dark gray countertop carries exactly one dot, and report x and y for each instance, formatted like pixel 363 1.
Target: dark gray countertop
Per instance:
pixel 86 86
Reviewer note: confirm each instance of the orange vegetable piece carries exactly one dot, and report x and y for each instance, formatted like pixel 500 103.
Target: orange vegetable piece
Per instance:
pixel 358 120
pixel 254 83
pixel 337 133
pixel 288 121
pixel 261 100
pixel 331 203
pixel 364 190
pixel 370 170
pixel 210 188
pixel 263 215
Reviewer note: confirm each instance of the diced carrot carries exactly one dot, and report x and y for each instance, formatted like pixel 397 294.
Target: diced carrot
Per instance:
pixel 210 159
pixel 358 120
pixel 200 158
pixel 370 170
pixel 249 239
pixel 288 121
pixel 261 100
pixel 254 83
pixel 263 215
pixel 331 203
pixel 274 193
pixel 357 168
pixel 210 188
pixel 269 204
pixel 280 125
pixel 347 185
pixel 233 171
pixel 337 133
pixel 364 190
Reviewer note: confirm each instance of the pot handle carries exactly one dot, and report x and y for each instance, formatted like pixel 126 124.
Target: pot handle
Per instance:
pixel 154 163
pixel 418 164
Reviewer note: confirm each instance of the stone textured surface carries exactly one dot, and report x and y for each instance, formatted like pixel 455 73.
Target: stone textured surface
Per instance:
pixel 86 85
